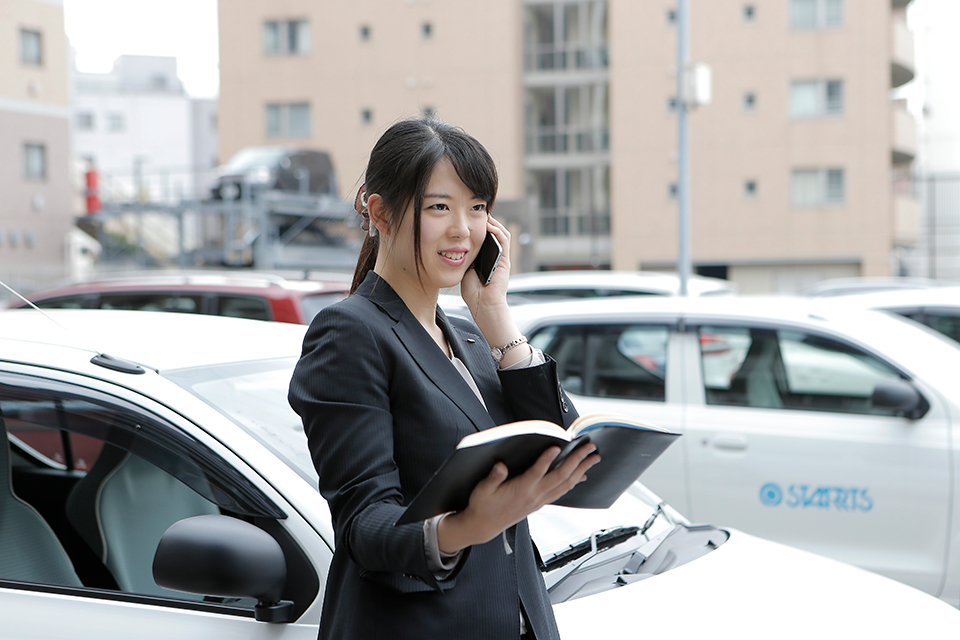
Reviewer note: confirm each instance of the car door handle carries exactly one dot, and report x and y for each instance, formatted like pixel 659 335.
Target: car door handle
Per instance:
pixel 730 443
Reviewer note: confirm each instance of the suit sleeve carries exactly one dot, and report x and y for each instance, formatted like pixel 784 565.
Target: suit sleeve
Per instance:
pixel 534 393
pixel 341 389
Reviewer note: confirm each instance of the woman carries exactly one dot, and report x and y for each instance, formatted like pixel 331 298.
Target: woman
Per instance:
pixel 387 386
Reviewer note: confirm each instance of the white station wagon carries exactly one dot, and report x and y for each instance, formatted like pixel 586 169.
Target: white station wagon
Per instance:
pixel 825 427
pixel 139 448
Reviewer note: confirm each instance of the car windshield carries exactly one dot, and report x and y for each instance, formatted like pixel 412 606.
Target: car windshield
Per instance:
pixel 254 396
pixel 252 157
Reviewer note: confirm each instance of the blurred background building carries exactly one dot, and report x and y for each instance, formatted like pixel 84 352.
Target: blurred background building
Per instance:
pixel 800 166
pixel 148 139
pixel 37 233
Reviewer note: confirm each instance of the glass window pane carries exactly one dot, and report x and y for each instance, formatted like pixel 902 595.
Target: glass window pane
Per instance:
pixel 833 13
pixel 302 38
pixel 31 47
pixel 299 120
pixel 805 188
pixel 274 121
pixel 825 375
pixel 803 14
pixel 835 187
pixel 237 307
pixel 271 38
pixel 834 97
pixel 35 161
pixel 804 99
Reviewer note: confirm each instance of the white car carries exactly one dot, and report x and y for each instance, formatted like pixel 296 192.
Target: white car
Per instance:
pixel 936 307
pixel 147 447
pixel 821 426
pixel 558 285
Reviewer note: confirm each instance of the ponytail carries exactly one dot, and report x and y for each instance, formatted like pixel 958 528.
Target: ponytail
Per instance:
pixel 366 261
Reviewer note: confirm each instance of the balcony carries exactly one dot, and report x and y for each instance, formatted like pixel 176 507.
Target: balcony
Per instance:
pixel 904 134
pixel 902 68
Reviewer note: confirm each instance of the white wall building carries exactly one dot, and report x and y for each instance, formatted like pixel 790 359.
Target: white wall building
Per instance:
pixel 144 134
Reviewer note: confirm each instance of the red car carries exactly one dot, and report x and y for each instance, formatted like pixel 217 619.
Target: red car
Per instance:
pixel 242 295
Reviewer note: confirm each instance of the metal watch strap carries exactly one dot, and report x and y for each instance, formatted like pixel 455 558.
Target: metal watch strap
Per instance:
pixel 499 352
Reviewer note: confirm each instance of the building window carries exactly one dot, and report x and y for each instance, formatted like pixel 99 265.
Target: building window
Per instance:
pixel 31 47
pixel 366 116
pixel 749 102
pixel 426 30
pixel 812 188
pixel 286 38
pixel 750 189
pixel 429 113
pixel 749 13
pixel 84 121
pixel 671 17
pixel 806 15
pixel 364 33
pixel 816 98
pixel 288 120
pixel 116 122
pixel 672 191
pixel 34 161
pixel 565 36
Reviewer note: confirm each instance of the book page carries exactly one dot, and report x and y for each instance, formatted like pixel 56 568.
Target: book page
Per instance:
pixel 542 427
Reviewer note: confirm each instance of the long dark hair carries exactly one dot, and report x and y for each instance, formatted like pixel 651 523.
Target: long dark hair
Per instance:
pixel 400 167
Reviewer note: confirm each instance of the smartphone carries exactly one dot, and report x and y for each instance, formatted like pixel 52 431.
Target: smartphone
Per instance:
pixel 488 258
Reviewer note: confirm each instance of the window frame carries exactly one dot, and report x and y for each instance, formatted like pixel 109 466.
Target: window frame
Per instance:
pixel 822 20
pixel 822 200
pixel 822 108
pixel 284 38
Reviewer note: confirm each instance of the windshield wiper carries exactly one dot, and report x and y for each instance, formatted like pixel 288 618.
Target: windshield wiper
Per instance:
pixel 597 542
pixel 651 519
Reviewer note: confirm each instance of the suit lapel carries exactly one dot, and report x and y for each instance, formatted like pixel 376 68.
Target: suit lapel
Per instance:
pixel 425 352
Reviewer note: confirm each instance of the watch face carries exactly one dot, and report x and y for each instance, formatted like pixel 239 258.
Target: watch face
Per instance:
pixel 497 354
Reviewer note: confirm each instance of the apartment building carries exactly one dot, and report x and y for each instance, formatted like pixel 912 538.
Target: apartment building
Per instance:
pixel 793 164
pixel 35 212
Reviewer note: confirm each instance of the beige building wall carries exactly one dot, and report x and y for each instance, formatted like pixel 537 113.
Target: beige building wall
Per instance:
pixel 467 71
pixel 731 145
pixel 471 72
pixel 35 212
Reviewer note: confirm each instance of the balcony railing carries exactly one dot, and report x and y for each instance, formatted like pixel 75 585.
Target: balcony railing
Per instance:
pixel 563 140
pixel 553 58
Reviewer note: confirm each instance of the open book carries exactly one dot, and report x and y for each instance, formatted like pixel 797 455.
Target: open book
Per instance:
pixel 626 447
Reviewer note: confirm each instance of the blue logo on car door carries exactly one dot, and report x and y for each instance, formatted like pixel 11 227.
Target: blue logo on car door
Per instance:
pixel 801 496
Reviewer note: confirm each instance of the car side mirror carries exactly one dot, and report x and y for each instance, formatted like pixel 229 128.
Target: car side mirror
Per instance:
pixel 900 395
pixel 224 557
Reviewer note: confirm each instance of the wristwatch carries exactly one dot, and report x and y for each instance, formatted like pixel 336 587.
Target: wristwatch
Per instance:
pixel 499 352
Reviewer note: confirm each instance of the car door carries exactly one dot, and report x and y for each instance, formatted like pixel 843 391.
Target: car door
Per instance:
pixel 625 368
pixel 785 443
pixel 103 533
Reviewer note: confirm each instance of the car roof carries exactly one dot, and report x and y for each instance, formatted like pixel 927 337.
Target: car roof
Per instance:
pixel 663 283
pixel 68 338
pixel 847 286
pixel 947 296
pixel 263 284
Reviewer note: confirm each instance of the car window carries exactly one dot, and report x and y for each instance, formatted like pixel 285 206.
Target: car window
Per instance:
pixel 780 369
pixel 103 480
pixel 243 307
pixel 614 361
pixel 152 302
pixel 559 294
pixel 66 302
pixel 945 321
pixel 311 305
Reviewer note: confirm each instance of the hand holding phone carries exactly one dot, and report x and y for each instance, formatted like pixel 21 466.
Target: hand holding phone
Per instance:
pixel 488 258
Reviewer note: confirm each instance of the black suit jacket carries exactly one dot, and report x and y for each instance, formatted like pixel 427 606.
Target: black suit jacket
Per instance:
pixel 383 407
